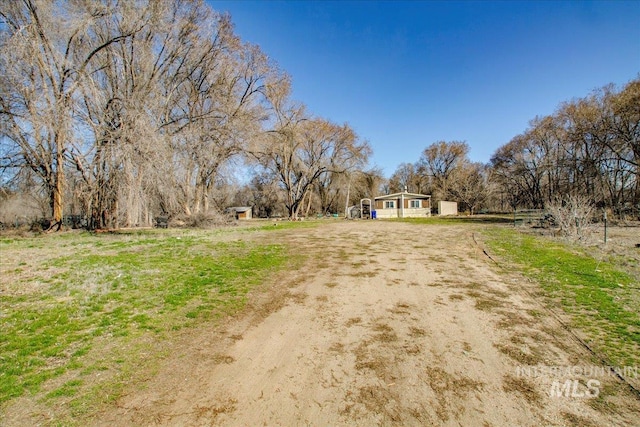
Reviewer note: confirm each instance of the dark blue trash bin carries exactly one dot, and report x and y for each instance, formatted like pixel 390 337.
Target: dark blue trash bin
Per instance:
pixel 373 214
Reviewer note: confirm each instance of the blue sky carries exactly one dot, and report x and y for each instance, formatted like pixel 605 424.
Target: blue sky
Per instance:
pixel 407 74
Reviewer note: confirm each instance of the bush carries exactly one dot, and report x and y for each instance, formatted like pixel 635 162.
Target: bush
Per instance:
pixel 573 215
pixel 202 220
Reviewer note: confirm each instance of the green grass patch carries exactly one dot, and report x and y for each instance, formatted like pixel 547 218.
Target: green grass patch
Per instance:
pixel 68 389
pixel 284 224
pixel 598 296
pixel 86 293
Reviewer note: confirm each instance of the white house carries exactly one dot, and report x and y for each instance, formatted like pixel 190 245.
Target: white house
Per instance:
pixel 403 205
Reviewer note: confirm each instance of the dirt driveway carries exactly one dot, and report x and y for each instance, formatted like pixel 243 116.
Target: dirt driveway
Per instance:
pixel 386 324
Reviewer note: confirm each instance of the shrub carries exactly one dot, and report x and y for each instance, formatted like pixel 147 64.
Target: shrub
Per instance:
pixel 210 219
pixel 573 215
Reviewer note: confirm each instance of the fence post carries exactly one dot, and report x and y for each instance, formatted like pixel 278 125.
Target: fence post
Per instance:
pixel 605 226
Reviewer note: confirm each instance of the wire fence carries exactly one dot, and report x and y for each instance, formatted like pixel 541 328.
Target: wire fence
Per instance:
pixel 531 217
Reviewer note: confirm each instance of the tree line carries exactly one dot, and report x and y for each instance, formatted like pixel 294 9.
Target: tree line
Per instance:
pixel 589 148
pixel 125 110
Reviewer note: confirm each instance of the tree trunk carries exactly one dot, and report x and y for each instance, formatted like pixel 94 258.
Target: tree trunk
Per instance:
pixel 197 198
pixel 58 189
pixel 205 198
pixel 57 202
pixel 306 214
pixel 115 218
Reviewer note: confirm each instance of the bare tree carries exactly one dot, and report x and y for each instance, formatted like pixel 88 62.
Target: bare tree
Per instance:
pixel 315 148
pixel 267 196
pixel 300 150
pixel 505 166
pixel 136 108
pixel 586 148
pixel 46 53
pixel 625 124
pixel 155 106
pixel 624 120
pixel 411 177
pixel 329 188
pixel 368 183
pixel 221 114
pixel 468 186
pixel 439 160
pixel 573 214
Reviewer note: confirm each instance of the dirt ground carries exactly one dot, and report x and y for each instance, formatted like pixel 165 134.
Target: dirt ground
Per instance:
pixel 386 324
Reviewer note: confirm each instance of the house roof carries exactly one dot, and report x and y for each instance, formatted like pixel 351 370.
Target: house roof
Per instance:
pixel 239 209
pixel 404 194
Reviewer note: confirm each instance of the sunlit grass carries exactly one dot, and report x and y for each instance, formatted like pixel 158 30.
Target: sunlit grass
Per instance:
pixel 597 295
pixel 89 290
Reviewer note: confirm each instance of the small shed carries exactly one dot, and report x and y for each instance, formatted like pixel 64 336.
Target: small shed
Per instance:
pixel 447 208
pixel 403 205
pixel 240 212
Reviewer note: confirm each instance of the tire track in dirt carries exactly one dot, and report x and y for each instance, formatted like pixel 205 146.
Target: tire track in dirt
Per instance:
pixel 387 324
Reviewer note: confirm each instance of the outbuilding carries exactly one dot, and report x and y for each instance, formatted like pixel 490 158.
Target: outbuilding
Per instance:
pixel 403 205
pixel 240 212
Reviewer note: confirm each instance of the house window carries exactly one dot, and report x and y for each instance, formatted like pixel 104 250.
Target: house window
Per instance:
pixel 415 204
pixel 390 204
